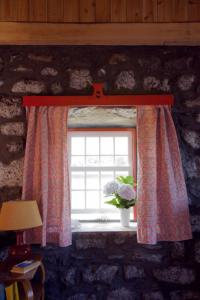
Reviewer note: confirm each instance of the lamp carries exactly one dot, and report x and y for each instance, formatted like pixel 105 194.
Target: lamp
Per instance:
pixel 19 216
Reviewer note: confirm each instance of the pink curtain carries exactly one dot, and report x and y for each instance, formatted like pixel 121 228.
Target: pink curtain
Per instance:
pixel 46 177
pixel 162 197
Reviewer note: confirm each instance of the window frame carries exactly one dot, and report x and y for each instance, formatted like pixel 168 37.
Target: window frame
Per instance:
pixel 133 147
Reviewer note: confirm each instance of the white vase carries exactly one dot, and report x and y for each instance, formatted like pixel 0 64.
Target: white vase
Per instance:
pixel 124 216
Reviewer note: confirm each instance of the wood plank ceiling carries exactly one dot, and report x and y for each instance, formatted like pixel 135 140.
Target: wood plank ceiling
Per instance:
pixel 100 11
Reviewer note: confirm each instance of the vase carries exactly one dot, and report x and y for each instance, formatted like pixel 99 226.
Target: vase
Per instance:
pixel 124 216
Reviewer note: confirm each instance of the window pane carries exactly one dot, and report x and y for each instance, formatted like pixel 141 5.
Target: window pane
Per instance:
pixel 92 145
pixel 92 180
pixel 106 177
pixel 104 199
pixel 107 161
pixel 121 173
pixel 121 161
pixel 107 147
pixel 121 145
pixel 78 161
pixel 78 199
pixel 92 199
pixel 78 145
pixel 77 180
pixel 92 161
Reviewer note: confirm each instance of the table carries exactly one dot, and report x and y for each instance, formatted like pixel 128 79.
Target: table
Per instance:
pixel 30 284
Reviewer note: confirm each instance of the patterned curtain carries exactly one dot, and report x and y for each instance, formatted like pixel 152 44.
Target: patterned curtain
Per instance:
pixel 46 177
pixel 162 197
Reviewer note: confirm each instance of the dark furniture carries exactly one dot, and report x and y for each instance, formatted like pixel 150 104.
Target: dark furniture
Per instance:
pixel 30 284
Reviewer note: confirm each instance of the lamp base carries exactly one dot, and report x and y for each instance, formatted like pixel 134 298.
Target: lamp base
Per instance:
pixel 20 251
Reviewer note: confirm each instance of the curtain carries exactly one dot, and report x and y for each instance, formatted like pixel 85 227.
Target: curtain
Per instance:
pixel 46 177
pixel 161 191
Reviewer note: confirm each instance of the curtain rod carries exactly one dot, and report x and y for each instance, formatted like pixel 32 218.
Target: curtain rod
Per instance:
pixel 98 98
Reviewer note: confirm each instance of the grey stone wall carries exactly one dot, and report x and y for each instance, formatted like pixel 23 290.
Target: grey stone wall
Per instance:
pixel 110 266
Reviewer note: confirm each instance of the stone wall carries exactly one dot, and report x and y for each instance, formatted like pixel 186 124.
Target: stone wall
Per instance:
pixel 108 265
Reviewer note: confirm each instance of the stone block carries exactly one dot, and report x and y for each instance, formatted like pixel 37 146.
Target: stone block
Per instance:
pixel 86 243
pixel 49 71
pixel 13 128
pixel 121 294
pixel 11 175
pixel 29 87
pixel 178 250
pixel 195 222
pixel 56 88
pixel 150 64
pixel 80 79
pixel 132 271
pixel 192 138
pixel 14 147
pixel 50 275
pixel 184 295
pixel 103 273
pixel 157 295
pixel 148 257
pixel 153 83
pixel 125 80
pixel 69 278
pixel 22 69
pixel 178 275
pixel 185 82
pixel 193 103
pixel 9 111
pixel 40 58
pixel 118 58
pixel 10 193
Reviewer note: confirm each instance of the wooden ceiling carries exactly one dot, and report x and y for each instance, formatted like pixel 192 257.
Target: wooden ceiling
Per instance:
pixel 100 22
pixel 100 11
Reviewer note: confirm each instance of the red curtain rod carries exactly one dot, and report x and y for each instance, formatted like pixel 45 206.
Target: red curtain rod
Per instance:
pixel 98 99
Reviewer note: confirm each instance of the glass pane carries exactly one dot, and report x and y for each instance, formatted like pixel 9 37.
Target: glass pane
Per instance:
pixel 121 145
pixel 78 181
pixel 107 161
pixel 78 145
pixel 78 161
pixel 92 145
pixel 121 173
pixel 107 147
pixel 103 199
pixel 78 199
pixel 92 180
pixel 106 176
pixel 121 161
pixel 92 199
pixel 92 161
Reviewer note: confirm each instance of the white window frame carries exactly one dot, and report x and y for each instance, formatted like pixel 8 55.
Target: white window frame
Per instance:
pixel 99 133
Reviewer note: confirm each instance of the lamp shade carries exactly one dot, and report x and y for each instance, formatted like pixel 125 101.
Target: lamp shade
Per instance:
pixel 19 215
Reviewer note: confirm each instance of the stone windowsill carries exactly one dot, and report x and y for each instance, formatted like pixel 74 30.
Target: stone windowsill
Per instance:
pixel 105 227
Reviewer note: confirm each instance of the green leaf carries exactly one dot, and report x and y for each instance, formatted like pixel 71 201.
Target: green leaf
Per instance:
pixel 126 179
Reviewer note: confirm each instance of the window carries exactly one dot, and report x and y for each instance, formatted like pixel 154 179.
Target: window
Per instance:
pixel 96 157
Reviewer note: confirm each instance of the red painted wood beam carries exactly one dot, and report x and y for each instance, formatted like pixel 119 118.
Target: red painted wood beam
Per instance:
pixel 98 99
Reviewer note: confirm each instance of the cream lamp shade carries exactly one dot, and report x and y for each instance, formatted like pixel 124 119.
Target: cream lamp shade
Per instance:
pixel 19 215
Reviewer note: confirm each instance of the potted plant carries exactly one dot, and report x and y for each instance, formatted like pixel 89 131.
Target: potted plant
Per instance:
pixel 124 196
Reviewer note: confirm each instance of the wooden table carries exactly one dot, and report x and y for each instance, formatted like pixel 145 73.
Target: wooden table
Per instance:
pixel 30 284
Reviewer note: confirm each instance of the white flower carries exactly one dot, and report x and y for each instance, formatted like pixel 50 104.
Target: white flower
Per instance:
pixel 126 192
pixel 111 188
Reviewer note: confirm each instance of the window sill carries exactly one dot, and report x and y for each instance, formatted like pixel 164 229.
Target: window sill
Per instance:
pixel 105 227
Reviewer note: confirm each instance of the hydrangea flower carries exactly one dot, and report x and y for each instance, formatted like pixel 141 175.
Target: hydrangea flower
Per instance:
pixel 126 192
pixel 122 190
pixel 110 188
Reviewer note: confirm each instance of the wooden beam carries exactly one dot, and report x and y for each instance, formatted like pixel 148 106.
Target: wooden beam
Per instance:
pixel 99 34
